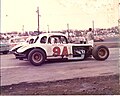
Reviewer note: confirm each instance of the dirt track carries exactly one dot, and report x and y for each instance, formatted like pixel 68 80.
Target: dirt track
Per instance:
pixel 103 85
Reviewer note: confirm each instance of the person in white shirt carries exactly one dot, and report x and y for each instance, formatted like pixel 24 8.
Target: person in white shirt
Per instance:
pixel 90 36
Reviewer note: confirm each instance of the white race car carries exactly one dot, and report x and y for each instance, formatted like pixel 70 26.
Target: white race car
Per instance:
pixel 56 46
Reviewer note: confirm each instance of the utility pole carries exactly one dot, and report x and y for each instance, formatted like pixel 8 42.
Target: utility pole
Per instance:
pixel 119 19
pixel 93 27
pixel 68 30
pixel 6 22
pixel 119 25
pixel 38 18
pixel 23 28
pixel 48 28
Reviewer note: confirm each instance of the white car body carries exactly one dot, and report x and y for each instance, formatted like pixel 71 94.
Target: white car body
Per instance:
pixel 61 48
pixel 14 48
pixel 48 48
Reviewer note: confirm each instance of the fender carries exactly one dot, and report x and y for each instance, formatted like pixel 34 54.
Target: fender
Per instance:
pixel 30 46
pixel 17 46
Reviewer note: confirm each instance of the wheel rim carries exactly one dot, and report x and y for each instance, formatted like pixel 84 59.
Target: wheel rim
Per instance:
pixel 37 57
pixel 102 53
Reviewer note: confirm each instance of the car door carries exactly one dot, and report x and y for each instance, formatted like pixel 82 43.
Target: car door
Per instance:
pixel 56 48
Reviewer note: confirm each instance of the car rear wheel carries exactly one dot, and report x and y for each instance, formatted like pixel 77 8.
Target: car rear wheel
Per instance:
pixel 100 52
pixel 36 57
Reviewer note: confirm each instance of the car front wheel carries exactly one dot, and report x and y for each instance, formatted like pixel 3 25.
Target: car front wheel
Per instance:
pixel 36 57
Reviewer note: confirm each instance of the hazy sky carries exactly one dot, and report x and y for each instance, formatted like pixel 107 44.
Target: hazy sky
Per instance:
pixel 57 13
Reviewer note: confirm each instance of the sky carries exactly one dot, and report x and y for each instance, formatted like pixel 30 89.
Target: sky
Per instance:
pixel 79 14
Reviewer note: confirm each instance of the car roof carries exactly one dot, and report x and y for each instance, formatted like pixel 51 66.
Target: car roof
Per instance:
pixel 51 34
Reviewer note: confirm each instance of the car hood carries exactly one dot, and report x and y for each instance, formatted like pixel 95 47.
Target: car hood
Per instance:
pixel 18 45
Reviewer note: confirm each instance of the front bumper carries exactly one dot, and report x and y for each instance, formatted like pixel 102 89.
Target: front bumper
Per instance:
pixel 20 55
pixel 2 51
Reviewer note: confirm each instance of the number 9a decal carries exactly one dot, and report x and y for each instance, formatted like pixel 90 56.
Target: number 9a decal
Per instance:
pixel 65 51
pixel 57 51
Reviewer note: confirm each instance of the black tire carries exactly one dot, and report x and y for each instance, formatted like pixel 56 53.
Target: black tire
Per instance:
pixel 100 52
pixel 36 57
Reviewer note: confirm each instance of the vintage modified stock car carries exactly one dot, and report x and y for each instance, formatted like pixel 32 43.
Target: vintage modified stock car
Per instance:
pixel 56 46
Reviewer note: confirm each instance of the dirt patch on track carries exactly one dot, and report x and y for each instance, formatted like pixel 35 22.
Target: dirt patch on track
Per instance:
pixel 108 85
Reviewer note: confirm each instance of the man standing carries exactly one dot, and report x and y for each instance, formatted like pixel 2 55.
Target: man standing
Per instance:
pixel 90 37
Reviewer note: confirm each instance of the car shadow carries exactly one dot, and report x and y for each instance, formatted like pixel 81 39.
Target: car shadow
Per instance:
pixel 25 62
pixel 66 60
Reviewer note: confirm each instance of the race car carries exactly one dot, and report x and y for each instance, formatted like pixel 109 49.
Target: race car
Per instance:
pixel 56 46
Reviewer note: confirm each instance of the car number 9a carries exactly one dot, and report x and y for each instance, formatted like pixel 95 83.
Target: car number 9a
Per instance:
pixel 57 51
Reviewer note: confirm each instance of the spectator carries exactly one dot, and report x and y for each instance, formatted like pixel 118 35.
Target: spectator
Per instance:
pixel 90 36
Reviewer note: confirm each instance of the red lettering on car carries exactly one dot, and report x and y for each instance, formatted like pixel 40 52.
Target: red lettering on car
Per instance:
pixel 56 51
